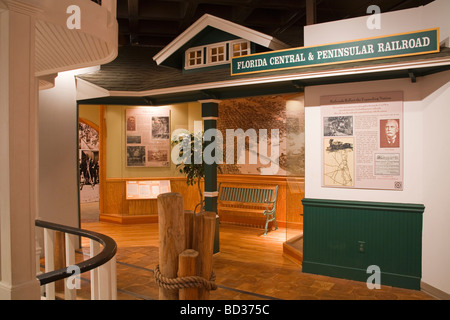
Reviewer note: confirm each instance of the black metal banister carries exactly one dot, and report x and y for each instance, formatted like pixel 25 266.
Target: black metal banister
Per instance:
pixel 108 252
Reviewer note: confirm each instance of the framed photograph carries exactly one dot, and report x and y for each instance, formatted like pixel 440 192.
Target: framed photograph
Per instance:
pixel 136 156
pixel 148 136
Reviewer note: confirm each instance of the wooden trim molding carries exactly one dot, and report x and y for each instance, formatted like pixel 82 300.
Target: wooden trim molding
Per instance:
pixel 90 123
pixel 145 178
pixel 246 178
pixel 121 219
pixel 116 208
pixel 102 156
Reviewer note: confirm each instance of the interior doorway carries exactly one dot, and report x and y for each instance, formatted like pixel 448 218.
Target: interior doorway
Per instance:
pixel 88 160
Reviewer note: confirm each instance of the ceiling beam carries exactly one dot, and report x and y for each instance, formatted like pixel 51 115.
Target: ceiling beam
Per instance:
pixel 133 20
pixel 311 9
pixel 311 12
pixel 403 4
pixel 188 10
pixel 241 13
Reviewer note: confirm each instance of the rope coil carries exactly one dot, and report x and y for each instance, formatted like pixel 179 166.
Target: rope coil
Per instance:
pixel 184 282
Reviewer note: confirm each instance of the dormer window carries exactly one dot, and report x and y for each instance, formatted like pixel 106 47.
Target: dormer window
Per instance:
pixel 194 57
pixel 240 48
pixel 216 54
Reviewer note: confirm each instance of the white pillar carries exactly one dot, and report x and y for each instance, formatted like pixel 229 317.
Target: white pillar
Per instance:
pixel 18 152
pixel 95 288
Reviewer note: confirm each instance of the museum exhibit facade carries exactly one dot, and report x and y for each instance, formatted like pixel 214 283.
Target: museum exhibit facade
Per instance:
pixel 363 202
pixel 347 132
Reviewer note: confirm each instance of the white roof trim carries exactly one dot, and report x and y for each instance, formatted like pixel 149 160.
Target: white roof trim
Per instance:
pixel 88 90
pixel 288 77
pixel 221 24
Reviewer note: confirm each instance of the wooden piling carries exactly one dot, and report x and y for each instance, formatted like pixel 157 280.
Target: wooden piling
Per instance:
pixel 187 267
pixel 203 242
pixel 172 239
pixel 189 227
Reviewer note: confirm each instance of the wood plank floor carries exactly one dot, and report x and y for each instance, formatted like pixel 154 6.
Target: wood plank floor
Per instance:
pixel 250 266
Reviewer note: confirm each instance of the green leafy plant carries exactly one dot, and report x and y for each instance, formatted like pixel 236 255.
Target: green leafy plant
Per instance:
pixel 190 160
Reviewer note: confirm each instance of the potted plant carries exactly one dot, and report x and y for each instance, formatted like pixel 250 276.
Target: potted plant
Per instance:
pixel 190 160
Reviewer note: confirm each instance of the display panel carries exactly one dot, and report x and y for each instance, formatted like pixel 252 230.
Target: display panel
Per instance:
pixel 362 143
pixel 148 189
pixel 148 137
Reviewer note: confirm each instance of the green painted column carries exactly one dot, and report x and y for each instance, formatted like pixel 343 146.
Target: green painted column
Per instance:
pixel 210 113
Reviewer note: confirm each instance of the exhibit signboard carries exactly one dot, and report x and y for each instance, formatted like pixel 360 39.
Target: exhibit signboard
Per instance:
pixel 146 189
pixel 397 45
pixel 148 137
pixel 362 141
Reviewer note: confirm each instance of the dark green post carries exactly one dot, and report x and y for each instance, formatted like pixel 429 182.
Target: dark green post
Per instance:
pixel 210 113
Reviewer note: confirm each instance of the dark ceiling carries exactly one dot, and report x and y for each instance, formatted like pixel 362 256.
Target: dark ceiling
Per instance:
pixel 156 23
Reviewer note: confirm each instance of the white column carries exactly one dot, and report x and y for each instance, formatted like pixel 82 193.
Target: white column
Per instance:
pixel 70 293
pixel 18 153
pixel 49 248
pixel 95 288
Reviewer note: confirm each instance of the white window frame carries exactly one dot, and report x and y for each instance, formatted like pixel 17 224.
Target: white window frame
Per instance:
pixel 232 43
pixel 206 57
pixel 187 59
pixel 218 45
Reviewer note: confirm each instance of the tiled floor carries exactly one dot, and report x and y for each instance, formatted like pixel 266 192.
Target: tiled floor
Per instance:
pixel 248 267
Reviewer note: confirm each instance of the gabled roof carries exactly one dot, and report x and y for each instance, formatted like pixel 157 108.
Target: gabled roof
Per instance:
pixel 134 79
pixel 208 20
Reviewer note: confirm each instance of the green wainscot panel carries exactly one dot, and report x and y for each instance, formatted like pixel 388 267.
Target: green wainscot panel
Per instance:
pixel 344 238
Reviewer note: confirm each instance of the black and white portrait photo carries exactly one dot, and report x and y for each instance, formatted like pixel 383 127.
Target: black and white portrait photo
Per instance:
pixel 389 133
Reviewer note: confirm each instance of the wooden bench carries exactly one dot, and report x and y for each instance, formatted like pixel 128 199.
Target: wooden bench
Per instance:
pixel 247 203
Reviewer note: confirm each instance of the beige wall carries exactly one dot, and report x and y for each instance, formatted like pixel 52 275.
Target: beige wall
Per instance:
pixel 90 113
pixel 182 115
pixel 58 152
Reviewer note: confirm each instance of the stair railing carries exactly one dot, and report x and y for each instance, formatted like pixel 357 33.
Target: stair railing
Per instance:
pixel 101 264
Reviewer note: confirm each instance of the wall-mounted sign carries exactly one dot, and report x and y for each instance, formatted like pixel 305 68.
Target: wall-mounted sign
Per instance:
pixel 362 141
pixel 148 189
pixel 398 45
